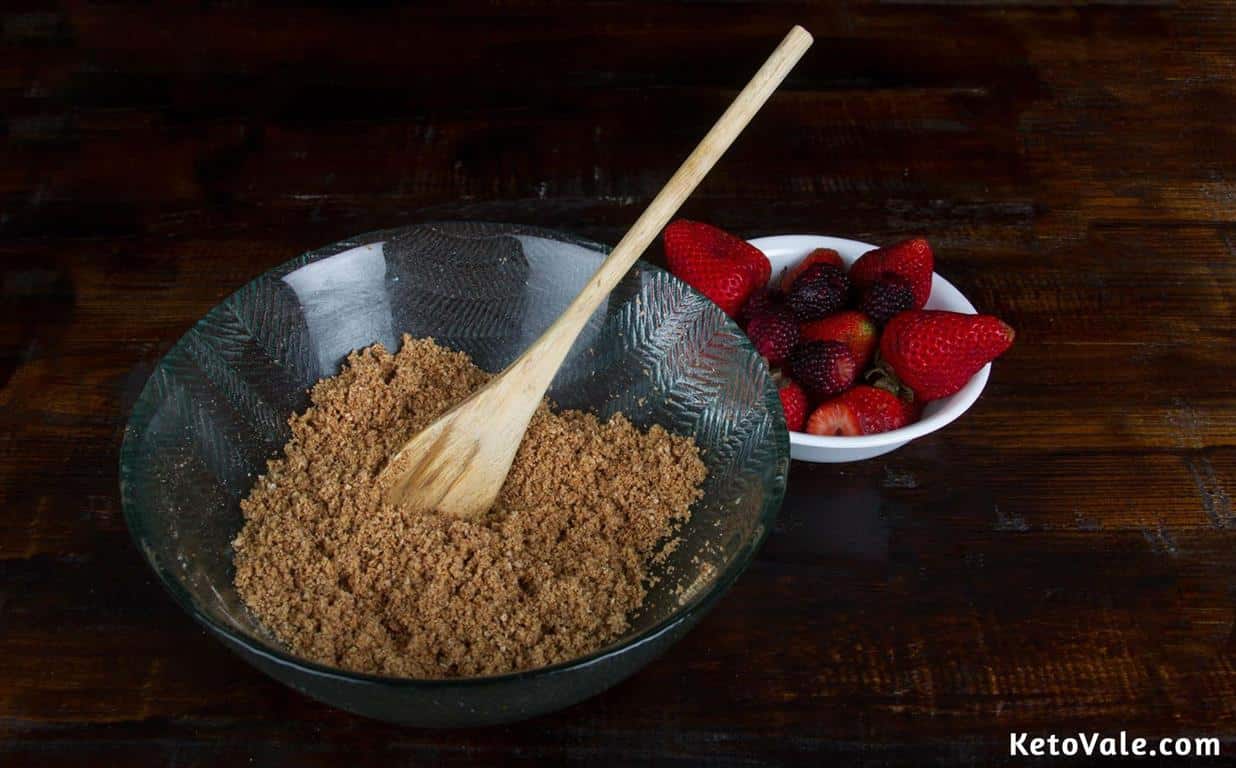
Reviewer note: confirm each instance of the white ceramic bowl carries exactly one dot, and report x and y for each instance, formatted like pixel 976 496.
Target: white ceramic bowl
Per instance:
pixel 784 251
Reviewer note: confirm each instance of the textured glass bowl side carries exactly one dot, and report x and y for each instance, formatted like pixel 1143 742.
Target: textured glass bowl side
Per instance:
pixel 215 410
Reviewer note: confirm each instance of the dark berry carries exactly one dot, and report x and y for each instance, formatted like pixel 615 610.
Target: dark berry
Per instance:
pixel 774 334
pixel 818 256
pixel 823 368
pixel 763 300
pixel 818 292
pixel 886 297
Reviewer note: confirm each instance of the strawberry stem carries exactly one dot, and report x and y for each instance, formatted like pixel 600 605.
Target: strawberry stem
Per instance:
pixel 882 376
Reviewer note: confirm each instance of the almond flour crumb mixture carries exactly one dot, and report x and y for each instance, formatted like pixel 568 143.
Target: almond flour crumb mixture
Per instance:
pixel 553 572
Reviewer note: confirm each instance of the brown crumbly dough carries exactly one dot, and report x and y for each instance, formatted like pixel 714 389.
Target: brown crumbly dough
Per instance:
pixel 553 572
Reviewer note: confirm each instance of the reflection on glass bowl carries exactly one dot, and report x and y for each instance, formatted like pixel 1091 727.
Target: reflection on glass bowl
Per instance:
pixel 215 411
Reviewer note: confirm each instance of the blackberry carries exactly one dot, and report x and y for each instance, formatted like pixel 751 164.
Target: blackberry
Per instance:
pixel 819 291
pixel 762 301
pixel 823 368
pixel 774 334
pixel 886 297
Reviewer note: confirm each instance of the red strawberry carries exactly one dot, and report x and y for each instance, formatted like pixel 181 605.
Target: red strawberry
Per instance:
pixel 909 259
pixel 886 297
pixel 877 410
pixel 774 334
pixel 854 329
pixel 935 353
pixel 914 409
pixel 819 291
pixel 818 256
pixel 834 417
pixel 715 263
pixel 823 368
pixel 794 403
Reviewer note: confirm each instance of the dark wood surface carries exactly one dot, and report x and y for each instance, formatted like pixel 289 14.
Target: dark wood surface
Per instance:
pixel 1063 558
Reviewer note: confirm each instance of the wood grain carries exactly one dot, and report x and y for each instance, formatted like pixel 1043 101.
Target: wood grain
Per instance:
pixel 1062 558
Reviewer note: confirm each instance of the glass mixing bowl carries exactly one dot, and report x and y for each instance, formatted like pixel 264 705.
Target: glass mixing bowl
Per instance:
pixel 215 410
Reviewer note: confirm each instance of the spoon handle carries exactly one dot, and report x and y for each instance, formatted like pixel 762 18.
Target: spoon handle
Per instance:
pixel 546 355
pixel 458 463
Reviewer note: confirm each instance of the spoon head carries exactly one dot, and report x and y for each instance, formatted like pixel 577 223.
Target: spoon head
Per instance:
pixel 457 465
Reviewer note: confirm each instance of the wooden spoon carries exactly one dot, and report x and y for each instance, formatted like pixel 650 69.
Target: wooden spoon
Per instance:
pixel 457 464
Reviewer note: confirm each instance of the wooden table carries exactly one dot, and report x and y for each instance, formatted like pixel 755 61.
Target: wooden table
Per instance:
pixel 1063 558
